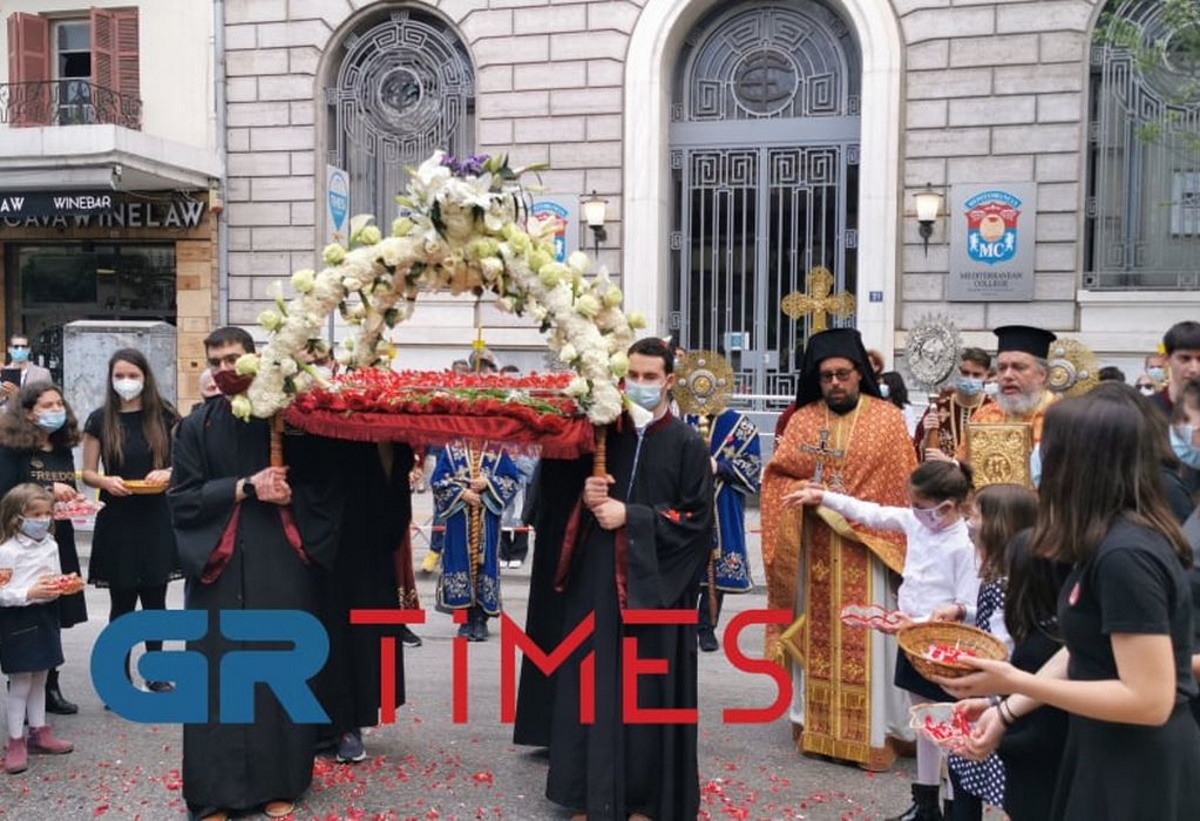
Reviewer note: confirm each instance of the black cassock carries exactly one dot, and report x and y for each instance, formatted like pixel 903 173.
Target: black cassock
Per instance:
pixel 242 766
pixel 555 488
pixel 610 768
pixel 377 510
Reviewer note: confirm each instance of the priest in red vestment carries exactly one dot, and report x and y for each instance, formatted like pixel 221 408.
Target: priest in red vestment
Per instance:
pixel 844 437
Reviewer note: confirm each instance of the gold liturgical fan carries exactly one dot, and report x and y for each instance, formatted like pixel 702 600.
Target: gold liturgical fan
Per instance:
pixel 703 385
pixel 1074 369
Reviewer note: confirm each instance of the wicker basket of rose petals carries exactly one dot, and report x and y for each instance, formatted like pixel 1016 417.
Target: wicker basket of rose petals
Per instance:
pixel 937 648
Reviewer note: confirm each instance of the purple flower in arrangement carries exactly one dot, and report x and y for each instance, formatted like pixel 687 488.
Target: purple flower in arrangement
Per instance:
pixel 470 167
pixel 473 165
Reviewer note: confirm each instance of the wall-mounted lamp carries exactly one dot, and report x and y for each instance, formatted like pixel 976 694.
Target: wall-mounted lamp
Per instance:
pixel 929 205
pixel 595 209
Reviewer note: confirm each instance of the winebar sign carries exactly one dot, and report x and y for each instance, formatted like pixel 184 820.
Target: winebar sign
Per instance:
pixel 96 209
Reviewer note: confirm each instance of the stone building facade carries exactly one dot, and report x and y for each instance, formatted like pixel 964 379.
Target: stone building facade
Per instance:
pixel 613 95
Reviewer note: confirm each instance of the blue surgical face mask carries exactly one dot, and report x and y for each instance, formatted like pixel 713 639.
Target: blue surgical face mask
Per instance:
pixel 969 386
pixel 644 396
pixel 35 529
pixel 19 354
pixel 51 421
pixel 884 390
pixel 1181 442
pixel 1157 374
pixel 1035 467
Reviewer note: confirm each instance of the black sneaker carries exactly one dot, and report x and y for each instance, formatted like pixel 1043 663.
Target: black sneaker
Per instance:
pixel 708 642
pixel 160 686
pixel 409 638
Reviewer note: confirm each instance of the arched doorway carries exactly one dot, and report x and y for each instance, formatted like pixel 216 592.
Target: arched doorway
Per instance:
pixel 764 154
pixel 401 86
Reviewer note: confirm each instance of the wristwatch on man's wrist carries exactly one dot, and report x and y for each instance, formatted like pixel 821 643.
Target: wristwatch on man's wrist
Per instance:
pixel 248 489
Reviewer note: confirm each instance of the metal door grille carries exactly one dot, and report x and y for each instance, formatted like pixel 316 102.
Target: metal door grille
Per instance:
pixel 1143 204
pixel 765 164
pixel 405 88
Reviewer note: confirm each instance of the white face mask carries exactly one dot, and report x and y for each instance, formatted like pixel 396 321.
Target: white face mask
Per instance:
pixel 932 517
pixel 991 388
pixel 128 389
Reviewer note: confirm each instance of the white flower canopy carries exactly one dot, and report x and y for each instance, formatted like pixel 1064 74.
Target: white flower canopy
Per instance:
pixel 467 232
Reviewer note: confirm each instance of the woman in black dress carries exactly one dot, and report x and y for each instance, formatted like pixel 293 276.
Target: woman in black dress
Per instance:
pixel 133 546
pixel 1133 749
pixel 37 431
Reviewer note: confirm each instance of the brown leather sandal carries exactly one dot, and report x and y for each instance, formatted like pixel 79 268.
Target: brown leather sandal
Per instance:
pixel 279 809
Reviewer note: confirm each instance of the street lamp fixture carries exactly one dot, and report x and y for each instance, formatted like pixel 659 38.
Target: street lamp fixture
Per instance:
pixel 929 205
pixel 595 210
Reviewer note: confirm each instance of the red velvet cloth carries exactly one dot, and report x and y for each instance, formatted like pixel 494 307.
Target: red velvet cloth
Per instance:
pixel 570 537
pixel 224 549
pixel 223 552
pixel 569 438
pixel 293 533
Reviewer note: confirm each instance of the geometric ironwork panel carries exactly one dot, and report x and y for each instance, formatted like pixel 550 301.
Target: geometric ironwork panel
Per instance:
pixel 1142 205
pixel 764 62
pixel 754 218
pixel 404 88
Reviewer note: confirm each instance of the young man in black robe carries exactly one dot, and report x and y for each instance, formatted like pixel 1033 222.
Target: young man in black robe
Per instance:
pixel 636 541
pixel 377 510
pixel 249 538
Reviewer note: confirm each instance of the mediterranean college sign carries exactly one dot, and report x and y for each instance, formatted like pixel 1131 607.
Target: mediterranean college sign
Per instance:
pixel 98 209
pixel 992 230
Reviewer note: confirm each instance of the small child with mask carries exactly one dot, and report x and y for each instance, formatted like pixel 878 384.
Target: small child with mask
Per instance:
pixel 30 581
pixel 940 568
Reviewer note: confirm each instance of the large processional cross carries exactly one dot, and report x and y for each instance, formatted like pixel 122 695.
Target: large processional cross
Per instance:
pixel 820 301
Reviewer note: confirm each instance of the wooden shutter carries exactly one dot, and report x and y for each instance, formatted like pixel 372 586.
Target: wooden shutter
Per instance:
pixel 115 62
pixel 128 54
pixel 28 62
pixel 104 48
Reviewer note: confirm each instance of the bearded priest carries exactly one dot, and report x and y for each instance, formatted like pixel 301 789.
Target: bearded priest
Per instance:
pixel 1021 371
pixel 844 437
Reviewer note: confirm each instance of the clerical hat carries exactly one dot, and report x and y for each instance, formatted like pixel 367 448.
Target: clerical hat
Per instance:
pixel 845 343
pixel 1024 338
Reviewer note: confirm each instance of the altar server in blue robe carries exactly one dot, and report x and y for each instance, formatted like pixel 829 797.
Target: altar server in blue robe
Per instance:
pixel 737 470
pixel 472 582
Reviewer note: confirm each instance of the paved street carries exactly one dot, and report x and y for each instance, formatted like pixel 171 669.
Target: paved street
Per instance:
pixel 425 766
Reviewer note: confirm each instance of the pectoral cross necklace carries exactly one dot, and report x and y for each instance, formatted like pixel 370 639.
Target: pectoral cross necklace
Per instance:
pixel 832 452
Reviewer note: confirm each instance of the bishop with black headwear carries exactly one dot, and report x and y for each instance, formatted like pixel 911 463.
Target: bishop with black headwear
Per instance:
pixel 1021 372
pixel 843 436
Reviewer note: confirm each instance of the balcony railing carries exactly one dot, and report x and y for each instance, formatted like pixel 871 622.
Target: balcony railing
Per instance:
pixel 67 102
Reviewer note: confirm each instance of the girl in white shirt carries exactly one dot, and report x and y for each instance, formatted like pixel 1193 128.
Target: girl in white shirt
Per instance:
pixel 939 569
pixel 30 580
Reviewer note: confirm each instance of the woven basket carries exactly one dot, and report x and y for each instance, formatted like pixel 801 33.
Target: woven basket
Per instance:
pixel 915 640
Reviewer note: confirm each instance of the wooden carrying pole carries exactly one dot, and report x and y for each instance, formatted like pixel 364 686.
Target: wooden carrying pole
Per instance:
pixel 600 457
pixel 277 440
